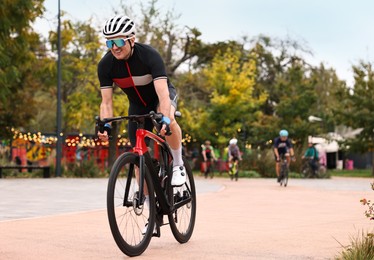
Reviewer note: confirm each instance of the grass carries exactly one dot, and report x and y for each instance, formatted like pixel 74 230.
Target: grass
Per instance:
pixel 367 173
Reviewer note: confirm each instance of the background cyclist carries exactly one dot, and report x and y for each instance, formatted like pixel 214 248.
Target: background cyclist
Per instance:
pixel 233 152
pixel 282 146
pixel 312 155
pixel 139 71
pixel 208 156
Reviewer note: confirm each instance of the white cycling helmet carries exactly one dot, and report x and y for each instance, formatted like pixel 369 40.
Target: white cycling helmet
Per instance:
pixel 233 141
pixel 119 25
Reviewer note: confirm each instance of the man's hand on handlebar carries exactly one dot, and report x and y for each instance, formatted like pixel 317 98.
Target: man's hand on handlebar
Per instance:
pixel 165 128
pixel 103 136
pixel 103 130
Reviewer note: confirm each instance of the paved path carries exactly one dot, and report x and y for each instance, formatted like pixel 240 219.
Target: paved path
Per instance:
pixel 248 219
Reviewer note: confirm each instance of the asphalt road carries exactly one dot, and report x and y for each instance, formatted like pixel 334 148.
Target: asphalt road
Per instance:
pixel 250 219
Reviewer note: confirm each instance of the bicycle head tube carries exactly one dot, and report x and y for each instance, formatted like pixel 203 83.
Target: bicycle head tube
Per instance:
pixel 140 146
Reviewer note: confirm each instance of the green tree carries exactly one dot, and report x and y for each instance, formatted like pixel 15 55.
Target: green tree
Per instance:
pixel 281 74
pixel 356 108
pixel 326 83
pixel 193 101
pixel 295 90
pixel 233 107
pixel 18 60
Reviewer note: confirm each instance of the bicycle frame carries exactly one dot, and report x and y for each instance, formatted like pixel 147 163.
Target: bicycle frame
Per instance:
pixel 283 164
pixel 145 159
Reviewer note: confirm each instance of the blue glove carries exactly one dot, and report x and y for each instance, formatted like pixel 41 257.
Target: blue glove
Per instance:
pixel 165 120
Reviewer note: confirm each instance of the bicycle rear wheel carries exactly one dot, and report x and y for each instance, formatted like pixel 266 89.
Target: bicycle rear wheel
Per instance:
pixel 182 218
pixel 128 216
pixel 236 171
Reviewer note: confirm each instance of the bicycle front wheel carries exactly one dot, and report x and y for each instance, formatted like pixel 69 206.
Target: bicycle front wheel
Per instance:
pixel 285 178
pixel 284 175
pixel 182 218
pixel 305 171
pixel 131 220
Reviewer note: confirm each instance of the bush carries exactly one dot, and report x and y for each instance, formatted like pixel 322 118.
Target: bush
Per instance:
pixel 361 247
pixel 249 174
pixel 15 173
pixel 83 169
pixel 260 161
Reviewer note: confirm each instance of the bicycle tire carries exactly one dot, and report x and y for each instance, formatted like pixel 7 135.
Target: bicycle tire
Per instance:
pixel 127 222
pixel 321 171
pixel 285 177
pixel 307 171
pixel 231 173
pixel 182 220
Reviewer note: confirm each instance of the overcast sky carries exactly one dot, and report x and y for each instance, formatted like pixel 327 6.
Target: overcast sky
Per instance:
pixel 338 32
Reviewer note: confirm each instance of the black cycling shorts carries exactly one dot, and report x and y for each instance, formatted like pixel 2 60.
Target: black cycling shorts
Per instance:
pixel 135 109
pixel 283 152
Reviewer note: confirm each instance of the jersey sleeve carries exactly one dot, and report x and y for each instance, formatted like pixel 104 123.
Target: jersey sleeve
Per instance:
pixel 276 143
pixel 103 72
pixel 156 64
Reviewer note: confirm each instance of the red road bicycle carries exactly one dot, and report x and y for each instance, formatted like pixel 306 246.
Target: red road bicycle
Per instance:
pixel 135 173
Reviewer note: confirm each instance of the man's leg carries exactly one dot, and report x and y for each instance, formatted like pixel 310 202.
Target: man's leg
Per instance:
pixel 277 168
pixel 315 167
pixel 175 139
pixel 175 143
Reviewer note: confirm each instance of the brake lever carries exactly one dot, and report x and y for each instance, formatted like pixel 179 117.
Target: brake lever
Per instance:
pixel 99 125
pixel 156 117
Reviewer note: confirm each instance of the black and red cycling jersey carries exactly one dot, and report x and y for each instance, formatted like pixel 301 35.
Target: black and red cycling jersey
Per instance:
pixel 135 76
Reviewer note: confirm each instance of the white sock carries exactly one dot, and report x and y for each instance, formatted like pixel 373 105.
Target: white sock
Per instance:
pixel 177 156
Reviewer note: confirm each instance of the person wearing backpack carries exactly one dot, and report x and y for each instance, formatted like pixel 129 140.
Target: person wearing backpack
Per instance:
pixel 311 154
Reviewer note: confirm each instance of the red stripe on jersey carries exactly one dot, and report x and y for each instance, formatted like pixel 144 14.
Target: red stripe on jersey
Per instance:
pixel 124 82
pixel 137 92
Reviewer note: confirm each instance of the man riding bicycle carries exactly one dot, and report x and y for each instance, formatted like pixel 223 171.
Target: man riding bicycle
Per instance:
pixel 208 156
pixel 234 155
pixel 139 71
pixel 282 147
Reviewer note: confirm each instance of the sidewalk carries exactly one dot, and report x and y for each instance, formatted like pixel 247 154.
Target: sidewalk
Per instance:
pixel 248 219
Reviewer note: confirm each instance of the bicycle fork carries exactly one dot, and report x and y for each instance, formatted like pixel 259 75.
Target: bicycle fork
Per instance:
pixel 138 201
pixel 141 181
